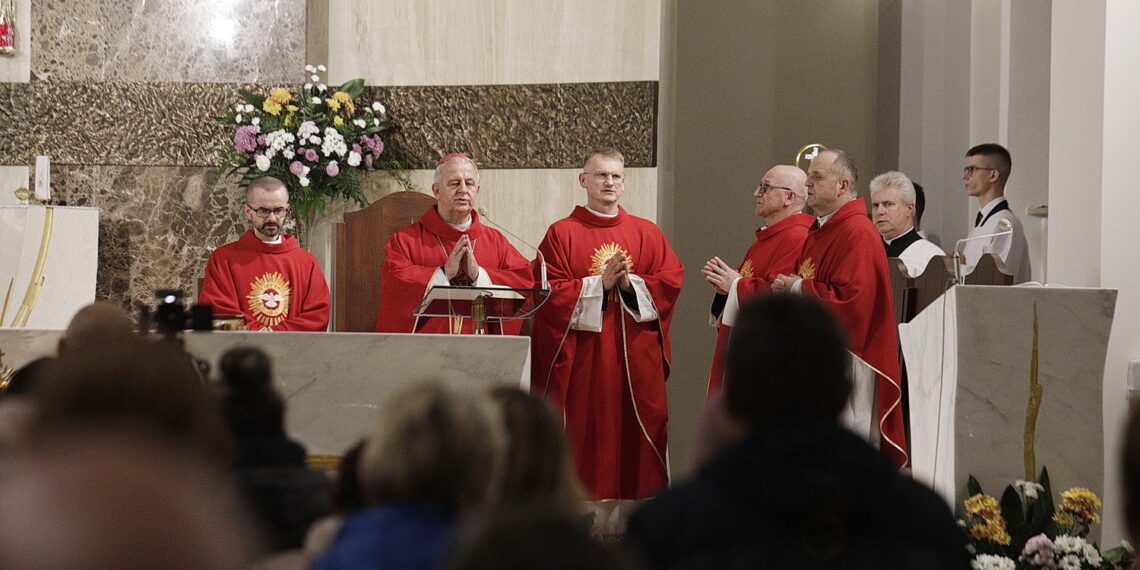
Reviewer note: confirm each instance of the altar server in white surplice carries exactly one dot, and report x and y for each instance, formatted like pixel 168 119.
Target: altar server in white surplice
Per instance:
pixel 893 200
pixel 985 175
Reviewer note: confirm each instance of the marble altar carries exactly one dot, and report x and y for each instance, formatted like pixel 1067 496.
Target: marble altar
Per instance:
pixel 969 357
pixel 70 256
pixel 334 383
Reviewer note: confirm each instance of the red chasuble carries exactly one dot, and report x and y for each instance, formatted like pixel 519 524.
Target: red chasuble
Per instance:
pixel 610 384
pixel 775 252
pixel 843 264
pixel 414 254
pixel 274 285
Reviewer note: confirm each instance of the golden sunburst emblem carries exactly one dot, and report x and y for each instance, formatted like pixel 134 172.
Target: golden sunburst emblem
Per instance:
pixel 806 269
pixel 746 269
pixel 269 298
pixel 603 254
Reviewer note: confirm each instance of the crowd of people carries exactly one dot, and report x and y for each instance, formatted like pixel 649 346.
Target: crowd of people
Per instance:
pixel 123 450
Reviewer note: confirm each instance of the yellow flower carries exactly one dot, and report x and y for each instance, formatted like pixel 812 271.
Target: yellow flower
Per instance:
pixel 993 531
pixel 338 121
pixel 346 99
pixel 333 104
pixel 982 506
pixel 279 95
pixel 1079 505
pixel 292 108
pixel 271 107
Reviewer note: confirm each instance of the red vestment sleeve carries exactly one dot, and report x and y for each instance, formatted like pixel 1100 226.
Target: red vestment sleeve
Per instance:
pixel 221 292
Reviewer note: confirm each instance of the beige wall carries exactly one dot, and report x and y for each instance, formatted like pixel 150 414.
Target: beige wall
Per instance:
pixel 753 82
pixel 456 42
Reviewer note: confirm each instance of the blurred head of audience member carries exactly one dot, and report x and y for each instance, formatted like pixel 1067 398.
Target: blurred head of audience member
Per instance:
pixel 101 322
pixel 1130 474
pixel 522 538
pixel 284 494
pixel 110 497
pixel 129 381
pixel 434 457
pixel 539 468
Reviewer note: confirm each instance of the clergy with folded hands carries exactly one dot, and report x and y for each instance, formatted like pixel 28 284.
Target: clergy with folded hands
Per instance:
pixel 447 246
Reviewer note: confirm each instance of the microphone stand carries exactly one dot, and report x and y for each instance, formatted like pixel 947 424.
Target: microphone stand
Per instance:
pixel 960 279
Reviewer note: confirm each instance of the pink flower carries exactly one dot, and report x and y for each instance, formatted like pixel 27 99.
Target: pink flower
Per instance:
pixel 356 149
pixel 310 155
pixel 245 139
pixel 296 168
pixel 332 169
pixel 368 161
pixel 374 144
pixel 1038 551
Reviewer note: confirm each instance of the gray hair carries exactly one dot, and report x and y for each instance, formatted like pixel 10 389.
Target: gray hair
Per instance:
pixel 442 163
pixel 895 179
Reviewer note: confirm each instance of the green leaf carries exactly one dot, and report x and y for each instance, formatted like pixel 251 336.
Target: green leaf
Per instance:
pixel 1014 514
pixel 353 87
pixel 251 98
pixel 973 487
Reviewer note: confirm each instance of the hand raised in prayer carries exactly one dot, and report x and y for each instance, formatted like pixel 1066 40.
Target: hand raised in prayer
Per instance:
pixel 719 274
pixel 456 261
pixel 471 267
pixel 783 283
pixel 616 272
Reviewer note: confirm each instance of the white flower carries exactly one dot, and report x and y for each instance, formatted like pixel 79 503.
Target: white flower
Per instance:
pixel 308 86
pixel 354 158
pixel 256 120
pixel 316 100
pixel 322 68
pixel 238 108
pixel 262 162
pixel 1092 555
pixel 307 129
pixel 248 108
pixel 288 153
pixel 378 107
pixel 1028 489
pixel 315 140
pixel 237 118
pixel 270 153
pixel 1069 562
pixel 1066 543
pixel 360 123
pixel 315 77
pixel 303 181
pixel 376 122
pixel 322 88
pixel 310 68
pixel 992 562
pixel 334 143
pixel 279 139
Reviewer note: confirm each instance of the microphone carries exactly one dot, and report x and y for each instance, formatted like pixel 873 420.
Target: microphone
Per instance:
pixel 1004 228
pixel 541 260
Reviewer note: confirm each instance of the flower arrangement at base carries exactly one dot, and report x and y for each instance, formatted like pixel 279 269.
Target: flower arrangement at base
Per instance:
pixel 316 140
pixel 1025 530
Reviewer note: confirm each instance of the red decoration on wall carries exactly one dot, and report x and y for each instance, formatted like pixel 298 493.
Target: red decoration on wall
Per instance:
pixel 7 27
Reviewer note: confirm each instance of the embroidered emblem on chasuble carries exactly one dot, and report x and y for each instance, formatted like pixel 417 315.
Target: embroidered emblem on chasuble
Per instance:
pixel 806 269
pixel 269 297
pixel 603 254
pixel 746 269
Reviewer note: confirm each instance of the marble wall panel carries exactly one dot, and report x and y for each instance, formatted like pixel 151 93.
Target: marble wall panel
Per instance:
pixel 449 42
pixel 157 225
pixel 169 124
pixel 11 178
pixel 240 41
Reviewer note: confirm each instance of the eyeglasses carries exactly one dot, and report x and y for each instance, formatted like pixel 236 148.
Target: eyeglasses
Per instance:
pixel 969 170
pixel 265 212
pixel 601 177
pixel 763 188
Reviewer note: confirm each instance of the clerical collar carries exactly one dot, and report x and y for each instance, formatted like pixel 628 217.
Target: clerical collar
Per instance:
pixel 275 240
pixel 601 215
pixel 897 246
pixel 462 227
pixel 823 219
pixel 898 237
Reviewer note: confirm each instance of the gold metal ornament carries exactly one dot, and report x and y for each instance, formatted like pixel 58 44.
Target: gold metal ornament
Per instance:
pixel 808 152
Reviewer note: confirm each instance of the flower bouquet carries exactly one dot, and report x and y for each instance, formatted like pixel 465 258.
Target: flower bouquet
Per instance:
pixel 316 140
pixel 1025 530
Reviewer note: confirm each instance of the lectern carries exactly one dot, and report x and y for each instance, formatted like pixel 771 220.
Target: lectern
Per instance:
pixel 483 305
pixel 1005 380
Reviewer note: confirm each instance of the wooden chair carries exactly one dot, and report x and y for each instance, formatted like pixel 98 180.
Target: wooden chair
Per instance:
pixel 359 257
pixel 913 294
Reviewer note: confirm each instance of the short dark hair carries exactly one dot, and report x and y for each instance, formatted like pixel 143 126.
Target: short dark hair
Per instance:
pixel 1130 472
pixel 997 153
pixel 787 363
pixel 919 203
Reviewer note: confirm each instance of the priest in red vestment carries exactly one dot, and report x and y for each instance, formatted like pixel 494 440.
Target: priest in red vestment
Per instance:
pixel 780 201
pixel 843 265
pixel 447 246
pixel 265 276
pixel 601 343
